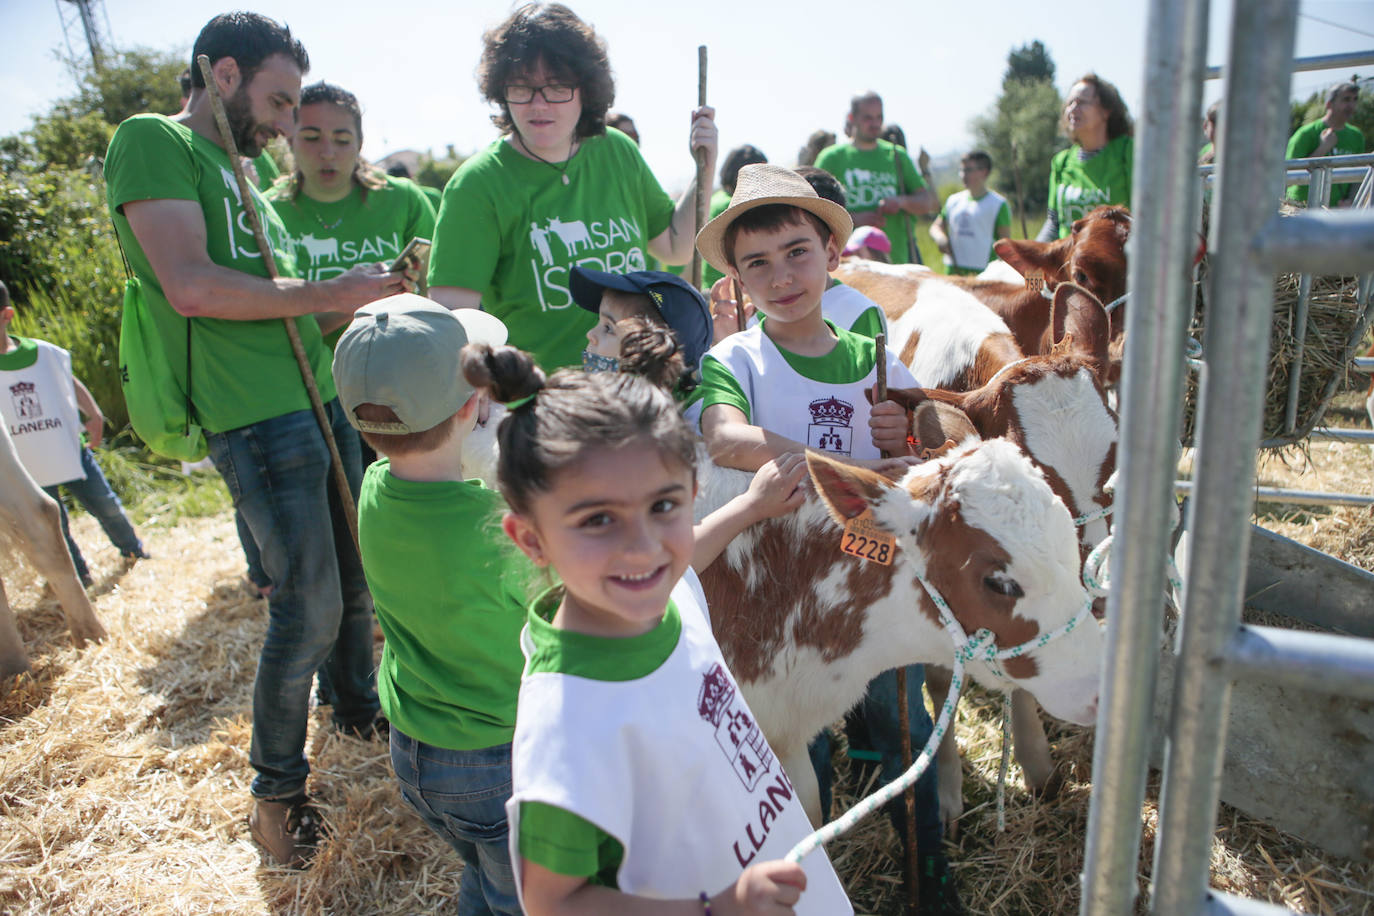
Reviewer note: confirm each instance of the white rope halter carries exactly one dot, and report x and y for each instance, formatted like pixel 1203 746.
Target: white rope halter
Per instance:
pixel 982 646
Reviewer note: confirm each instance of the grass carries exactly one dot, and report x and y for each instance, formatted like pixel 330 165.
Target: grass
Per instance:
pixel 154 490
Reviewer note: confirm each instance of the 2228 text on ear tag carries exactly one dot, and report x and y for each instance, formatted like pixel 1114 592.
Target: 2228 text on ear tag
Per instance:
pixel 863 538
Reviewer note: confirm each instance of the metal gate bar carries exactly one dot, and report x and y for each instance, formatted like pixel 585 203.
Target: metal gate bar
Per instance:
pixel 1301 660
pixel 1213 648
pixel 1252 139
pixel 1160 277
pixel 1316 62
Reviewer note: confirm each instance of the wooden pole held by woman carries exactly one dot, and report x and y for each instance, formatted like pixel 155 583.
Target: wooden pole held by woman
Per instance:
pixel 702 200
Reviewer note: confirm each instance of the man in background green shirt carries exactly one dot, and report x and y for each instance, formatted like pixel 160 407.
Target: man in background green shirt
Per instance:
pixel 880 183
pixel 1330 135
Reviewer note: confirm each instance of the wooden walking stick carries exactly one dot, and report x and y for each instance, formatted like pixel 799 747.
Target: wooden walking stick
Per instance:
pixel 245 193
pixel 702 177
pixel 903 713
pixel 913 251
pixel 738 293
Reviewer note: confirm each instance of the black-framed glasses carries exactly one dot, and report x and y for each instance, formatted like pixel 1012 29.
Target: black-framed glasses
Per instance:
pixel 553 93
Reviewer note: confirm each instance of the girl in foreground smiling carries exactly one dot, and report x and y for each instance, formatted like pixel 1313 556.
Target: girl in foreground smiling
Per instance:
pixel 641 782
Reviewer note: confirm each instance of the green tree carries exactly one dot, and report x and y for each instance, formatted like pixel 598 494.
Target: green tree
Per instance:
pixel 1029 62
pixel 1021 129
pixel 128 83
pixel 435 173
pixel 68 140
pixel 58 255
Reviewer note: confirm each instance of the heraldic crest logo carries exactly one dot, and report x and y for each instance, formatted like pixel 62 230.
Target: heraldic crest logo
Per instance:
pixel 830 429
pixel 737 733
pixel 26 405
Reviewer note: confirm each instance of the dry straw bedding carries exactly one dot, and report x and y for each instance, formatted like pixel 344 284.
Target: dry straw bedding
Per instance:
pixel 124 777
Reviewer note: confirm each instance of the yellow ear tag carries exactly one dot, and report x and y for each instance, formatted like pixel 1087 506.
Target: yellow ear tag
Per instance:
pixel 863 538
pixel 1035 280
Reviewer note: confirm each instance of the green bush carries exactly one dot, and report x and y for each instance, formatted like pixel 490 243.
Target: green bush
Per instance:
pixel 88 328
pixel 62 265
pixel 55 234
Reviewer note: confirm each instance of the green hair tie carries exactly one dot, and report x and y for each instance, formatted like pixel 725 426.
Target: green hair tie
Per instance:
pixel 515 405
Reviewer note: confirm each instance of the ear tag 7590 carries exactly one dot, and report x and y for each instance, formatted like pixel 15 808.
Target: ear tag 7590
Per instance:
pixel 863 538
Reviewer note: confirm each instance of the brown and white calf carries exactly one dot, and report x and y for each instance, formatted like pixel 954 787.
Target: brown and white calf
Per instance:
pixel 805 627
pixel 31 518
pixel 1051 404
pixel 1093 255
pixel 942 333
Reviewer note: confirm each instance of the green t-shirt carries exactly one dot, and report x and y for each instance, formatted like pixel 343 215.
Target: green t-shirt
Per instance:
pixel 510 228
pixel 267 170
pixel 333 237
pixel 868 177
pixel 243 372
pixel 550 836
pixel 1077 187
pixel 1349 142
pixel 450 595
pixel 719 203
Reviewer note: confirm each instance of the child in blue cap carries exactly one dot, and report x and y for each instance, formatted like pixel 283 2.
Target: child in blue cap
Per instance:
pixel 661 298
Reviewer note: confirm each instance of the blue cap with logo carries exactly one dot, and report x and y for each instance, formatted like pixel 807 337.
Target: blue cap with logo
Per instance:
pixel 681 307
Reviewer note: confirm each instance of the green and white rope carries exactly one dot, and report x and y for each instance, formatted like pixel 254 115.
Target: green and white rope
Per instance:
pixel 982 646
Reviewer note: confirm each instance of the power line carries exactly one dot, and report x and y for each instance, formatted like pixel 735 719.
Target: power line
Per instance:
pixel 1336 25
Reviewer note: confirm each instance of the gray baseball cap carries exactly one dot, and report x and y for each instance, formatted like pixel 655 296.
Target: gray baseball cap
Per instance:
pixel 402 352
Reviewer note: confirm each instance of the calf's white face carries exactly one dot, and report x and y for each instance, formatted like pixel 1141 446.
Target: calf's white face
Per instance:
pixel 982 526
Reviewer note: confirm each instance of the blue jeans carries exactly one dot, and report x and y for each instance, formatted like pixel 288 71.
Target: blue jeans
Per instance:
pixel 256 574
pixel 462 796
pixel 278 473
pixel 872 730
pixel 96 497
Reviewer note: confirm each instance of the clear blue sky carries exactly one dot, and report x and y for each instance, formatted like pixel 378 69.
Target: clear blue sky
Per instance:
pixel 777 70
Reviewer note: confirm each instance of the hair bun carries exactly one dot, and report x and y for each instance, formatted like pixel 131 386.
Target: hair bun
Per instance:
pixel 509 373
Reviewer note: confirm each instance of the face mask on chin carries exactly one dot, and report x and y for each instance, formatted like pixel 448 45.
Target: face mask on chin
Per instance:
pixel 595 362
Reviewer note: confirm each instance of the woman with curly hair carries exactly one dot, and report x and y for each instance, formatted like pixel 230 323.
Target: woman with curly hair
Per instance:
pixel 556 190
pixel 1097 169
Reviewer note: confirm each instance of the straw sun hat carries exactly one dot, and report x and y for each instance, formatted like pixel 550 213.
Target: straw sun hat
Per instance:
pixel 758 186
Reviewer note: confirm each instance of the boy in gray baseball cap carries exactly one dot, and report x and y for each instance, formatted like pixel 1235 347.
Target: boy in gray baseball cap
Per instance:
pixel 449 595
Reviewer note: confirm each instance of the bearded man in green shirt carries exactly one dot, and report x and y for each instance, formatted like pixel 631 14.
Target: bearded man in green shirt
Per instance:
pixel 880 183
pixel 181 220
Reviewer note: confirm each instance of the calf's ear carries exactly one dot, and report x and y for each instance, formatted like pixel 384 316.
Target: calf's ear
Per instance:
pixel 1081 325
pixel 938 427
pixel 1026 255
pixel 909 398
pixel 847 491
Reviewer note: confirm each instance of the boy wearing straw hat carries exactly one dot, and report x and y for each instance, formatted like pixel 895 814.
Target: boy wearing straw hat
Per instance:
pixel 794 380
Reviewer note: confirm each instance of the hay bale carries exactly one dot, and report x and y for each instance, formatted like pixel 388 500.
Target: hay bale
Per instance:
pixel 1335 333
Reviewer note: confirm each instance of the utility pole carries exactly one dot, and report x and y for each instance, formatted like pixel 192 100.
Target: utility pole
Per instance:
pixel 85 10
